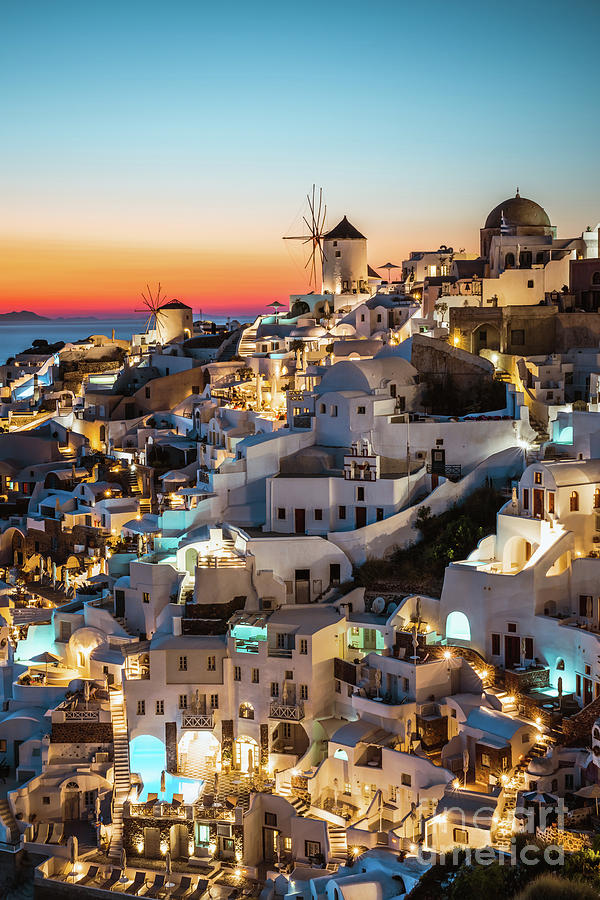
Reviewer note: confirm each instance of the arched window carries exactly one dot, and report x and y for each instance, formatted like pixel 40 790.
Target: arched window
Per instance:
pixel 596 278
pixel 509 261
pixel 246 711
pixel 560 665
pixel 596 734
pixel 574 501
pixel 341 754
pixel 597 498
pixel 525 257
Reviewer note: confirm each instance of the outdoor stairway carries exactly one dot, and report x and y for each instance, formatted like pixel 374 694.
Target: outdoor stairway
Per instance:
pixel 506 699
pixel 122 783
pixel 301 806
pixel 226 557
pixel 247 345
pixel 338 843
pixel 133 482
pixel 8 820
pixel 145 504
pixel 503 831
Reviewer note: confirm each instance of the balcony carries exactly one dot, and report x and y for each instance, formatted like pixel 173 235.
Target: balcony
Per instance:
pixel 289 712
pixel 197 721
pixel 280 652
pixel 453 473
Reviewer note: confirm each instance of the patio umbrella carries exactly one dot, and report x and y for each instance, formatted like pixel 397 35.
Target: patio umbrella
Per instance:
pixel 540 798
pixel 590 790
pixel 163 781
pixel 73 847
pixel 45 657
pixel 389 266
pixel 67 580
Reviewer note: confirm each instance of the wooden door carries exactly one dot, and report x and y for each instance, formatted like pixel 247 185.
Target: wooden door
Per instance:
pixel 512 651
pixel 300 521
pixel 361 516
pixel 538 503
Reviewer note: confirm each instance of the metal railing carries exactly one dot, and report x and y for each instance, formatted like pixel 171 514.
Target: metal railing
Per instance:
pixel 445 471
pixel 82 715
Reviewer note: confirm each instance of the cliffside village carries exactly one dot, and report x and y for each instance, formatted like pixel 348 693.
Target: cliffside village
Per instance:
pixel 200 698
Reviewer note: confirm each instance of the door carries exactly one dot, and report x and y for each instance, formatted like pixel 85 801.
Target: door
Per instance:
pixel 538 503
pixel 300 521
pixel 302 578
pixel 270 839
pixel 369 641
pixel 512 651
pixel 361 516
pixel 438 461
pixel 71 812
pixel 16 746
pixel 587 691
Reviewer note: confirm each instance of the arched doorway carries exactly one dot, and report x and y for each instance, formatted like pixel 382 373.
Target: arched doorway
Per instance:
pixel 71 802
pixel 198 753
pixel 245 754
pixel 191 559
pixel 485 337
pixel 457 626
pixel 517 552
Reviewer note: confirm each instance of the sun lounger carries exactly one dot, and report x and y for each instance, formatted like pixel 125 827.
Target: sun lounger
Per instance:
pixel 57 835
pixel 90 875
pixel 110 882
pixel 199 890
pixel 42 833
pixel 182 889
pixel 137 884
pixel 157 887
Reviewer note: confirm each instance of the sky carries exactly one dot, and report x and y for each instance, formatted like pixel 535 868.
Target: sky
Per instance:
pixel 175 142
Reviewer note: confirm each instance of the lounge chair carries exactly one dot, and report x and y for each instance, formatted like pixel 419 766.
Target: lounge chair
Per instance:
pixel 110 882
pixel 90 875
pixel 137 884
pixel 199 890
pixel 57 835
pixel 182 888
pixel 157 887
pixel 42 833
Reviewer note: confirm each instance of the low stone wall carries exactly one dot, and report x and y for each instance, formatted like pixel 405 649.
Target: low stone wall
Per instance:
pixel 81 733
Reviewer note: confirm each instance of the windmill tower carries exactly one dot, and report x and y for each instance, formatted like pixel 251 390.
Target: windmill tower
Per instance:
pixel 153 304
pixel 345 269
pixel 315 225
pixel 170 320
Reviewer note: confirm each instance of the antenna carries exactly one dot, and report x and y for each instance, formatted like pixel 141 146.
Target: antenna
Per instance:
pixel 315 223
pixel 153 304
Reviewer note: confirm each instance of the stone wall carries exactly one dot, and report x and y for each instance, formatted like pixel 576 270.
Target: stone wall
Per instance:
pixel 524 682
pixel 133 832
pixel 499 761
pixel 171 746
pixel 578 729
pixel 433 731
pixel 81 733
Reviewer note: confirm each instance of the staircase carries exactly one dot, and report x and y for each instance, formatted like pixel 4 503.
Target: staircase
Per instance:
pixel 9 822
pixel 247 344
pixel 338 845
pixel 503 831
pixel 507 701
pixel 122 783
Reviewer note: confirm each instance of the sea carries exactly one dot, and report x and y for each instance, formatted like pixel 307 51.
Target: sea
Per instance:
pixel 18 336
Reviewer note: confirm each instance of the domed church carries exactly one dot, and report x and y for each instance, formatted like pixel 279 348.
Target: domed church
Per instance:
pixel 514 217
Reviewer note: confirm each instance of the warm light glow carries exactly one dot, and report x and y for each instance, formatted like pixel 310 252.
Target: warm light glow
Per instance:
pixel 355 851
pixel 456 784
pixel 447 654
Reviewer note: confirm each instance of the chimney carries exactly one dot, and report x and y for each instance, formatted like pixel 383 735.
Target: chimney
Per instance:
pixel 177 626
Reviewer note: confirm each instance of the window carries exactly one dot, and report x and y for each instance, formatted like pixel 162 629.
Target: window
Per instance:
pixel 525 737
pixel 160 707
pixel 517 337
pixel 274 689
pixel 379 317
pixel 528 648
pixel 341 512
pixel 65 631
pixel 509 261
pixel 183 701
pixel 530 283
pixel 333 411
pixel 246 711
pixel 486 761
pixel 495 645
pixel 574 501
pixel 338 686
pixel 406 780
pixel 141 707
pixel 338 253
pixel 361 410
pixel 318 515
pixel 537 477
pixel 560 665
pixel 312 848
pixel 578 685
pixel 46 801
pixel 379 514
pixel 147 393
pixel 588 670
pixel 303 646
pixel 237 673
pixel 597 498
pixel 255 676
pixel 287 844
pixel 211 663
pixel 145 597
pixel 281 513
pixel 362 317
pixel 551 502
pixel 322 408
pixel 525 498
pixel 214 701
pixel 347 787
pixel 512 628
pixel 183 663
pixel 460 835
pixel 271 819
pixel 360 493
pixel 3 746
pixel 335 573
pixel 568 782
pixel 304 692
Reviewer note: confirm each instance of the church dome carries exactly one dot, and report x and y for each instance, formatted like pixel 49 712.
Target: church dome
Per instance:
pixel 518 211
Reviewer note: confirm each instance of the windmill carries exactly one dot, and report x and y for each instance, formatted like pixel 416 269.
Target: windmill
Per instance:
pixel 153 304
pixel 315 223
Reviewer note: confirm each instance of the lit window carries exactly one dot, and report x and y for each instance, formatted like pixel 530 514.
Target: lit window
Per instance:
pixel 211 663
pixel 141 707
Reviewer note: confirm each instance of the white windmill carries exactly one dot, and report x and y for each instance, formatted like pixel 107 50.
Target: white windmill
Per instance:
pixel 315 224
pixel 153 305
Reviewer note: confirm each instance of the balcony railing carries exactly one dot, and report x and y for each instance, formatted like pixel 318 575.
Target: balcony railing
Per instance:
pixel 293 712
pixel 81 715
pixel 197 721
pixel 451 472
pixel 281 652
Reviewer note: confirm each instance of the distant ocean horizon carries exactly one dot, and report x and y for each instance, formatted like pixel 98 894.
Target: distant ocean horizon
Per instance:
pixel 18 336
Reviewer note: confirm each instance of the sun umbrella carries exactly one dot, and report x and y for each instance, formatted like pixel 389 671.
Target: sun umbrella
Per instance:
pixel 541 798
pixel 389 266
pixel 73 848
pixel 163 781
pixel 590 790
pixel 45 657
